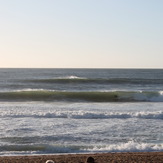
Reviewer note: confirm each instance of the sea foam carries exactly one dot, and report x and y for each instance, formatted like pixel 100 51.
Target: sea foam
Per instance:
pixel 130 146
pixel 88 115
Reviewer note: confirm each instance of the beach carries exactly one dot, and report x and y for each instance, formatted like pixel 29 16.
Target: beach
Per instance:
pixel 133 157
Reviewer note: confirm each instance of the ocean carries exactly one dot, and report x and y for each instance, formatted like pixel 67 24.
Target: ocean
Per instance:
pixel 54 111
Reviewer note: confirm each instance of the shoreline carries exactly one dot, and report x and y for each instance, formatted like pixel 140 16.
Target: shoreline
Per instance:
pixel 128 157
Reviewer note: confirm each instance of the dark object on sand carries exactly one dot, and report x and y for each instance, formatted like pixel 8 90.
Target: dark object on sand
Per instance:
pixel 90 160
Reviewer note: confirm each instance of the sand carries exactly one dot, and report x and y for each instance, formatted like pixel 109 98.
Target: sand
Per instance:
pixel 144 157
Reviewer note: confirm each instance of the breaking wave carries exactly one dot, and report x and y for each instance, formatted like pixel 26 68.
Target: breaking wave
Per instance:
pixel 112 96
pixel 130 146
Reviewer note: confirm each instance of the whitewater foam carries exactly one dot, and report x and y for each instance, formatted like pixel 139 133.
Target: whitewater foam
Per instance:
pixel 74 77
pixel 130 146
pixel 89 115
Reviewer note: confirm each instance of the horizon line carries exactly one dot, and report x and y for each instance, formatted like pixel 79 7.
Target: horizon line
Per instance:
pixel 78 68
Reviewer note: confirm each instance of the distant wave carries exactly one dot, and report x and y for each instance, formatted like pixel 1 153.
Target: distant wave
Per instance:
pixel 113 96
pixel 90 115
pixel 80 80
pixel 62 80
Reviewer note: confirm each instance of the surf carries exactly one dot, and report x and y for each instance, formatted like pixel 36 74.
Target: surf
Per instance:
pixel 156 115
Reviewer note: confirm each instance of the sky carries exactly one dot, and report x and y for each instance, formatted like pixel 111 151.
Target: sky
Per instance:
pixel 81 34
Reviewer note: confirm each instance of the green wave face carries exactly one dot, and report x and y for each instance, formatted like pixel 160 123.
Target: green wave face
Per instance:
pixel 117 96
pixel 55 96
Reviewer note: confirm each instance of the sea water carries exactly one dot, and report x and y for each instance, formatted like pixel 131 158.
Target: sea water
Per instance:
pixel 44 111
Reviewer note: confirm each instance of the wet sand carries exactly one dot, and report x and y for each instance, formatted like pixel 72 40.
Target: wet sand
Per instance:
pixel 138 157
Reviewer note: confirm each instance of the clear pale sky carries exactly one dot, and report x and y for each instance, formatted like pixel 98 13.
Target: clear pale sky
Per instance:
pixel 81 33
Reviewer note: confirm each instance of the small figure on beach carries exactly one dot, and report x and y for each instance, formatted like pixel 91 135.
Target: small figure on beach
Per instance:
pixel 90 160
pixel 49 161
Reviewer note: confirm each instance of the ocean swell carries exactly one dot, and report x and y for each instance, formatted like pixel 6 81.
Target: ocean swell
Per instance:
pixel 80 80
pixel 97 96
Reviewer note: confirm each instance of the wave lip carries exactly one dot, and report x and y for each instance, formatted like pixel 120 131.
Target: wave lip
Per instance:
pixel 113 96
